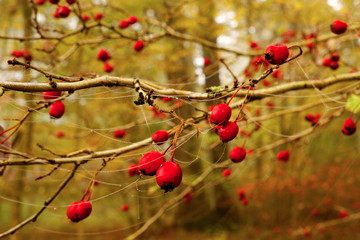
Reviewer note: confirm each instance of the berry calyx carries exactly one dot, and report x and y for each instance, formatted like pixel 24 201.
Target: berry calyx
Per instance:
pixel 124 24
pixel 132 19
pixel 150 162
pixel 169 176
pixel 283 155
pixel 349 127
pixel 78 211
pixel 159 137
pixel 51 95
pixel 338 27
pixel 220 114
pixel 103 55
pixel 237 154
pixel 119 133
pixel 277 53
pixel 133 170
pixel 228 132
pixel 57 109
pixel 138 45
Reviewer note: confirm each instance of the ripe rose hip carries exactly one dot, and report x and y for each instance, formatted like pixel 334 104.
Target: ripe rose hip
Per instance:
pixel 119 133
pixel 78 211
pixel 207 61
pixel 228 132
pixel 150 162
pixel 103 55
pixel 220 114
pixel 63 11
pixel 57 109
pixel 108 68
pixel 169 176
pixel 338 27
pixel 133 170
pixel 159 137
pixel 98 16
pixel 326 62
pixel 54 1
pixel 349 127
pixel 132 19
pixel 283 155
pixel 226 172
pixel 138 45
pixel 51 95
pixel 276 53
pixel 124 24
pixel 237 154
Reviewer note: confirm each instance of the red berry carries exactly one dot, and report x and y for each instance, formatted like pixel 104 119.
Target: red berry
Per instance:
pixel 277 74
pixel 132 19
pixel 108 68
pixel 26 55
pixel 277 230
pixel 187 198
pixel 241 194
pixel 343 214
pixel 315 211
pixel 334 65
pixel 133 170
pixel 85 18
pixel 57 109
pixel 125 208
pixel 338 27
pixel 207 61
pixel 98 16
pixel 63 11
pixel 159 137
pixel 326 62
pixel 103 55
pixel 309 117
pixel 150 162
pixel 226 172
pixel 78 211
pixel 169 176
pixel 54 1
pixel 276 53
pixel 266 83
pixel 307 234
pixel 51 95
pixel 138 45
pixel 335 56
pixel 119 133
pixel 349 126
pixel 228 132
pixel 254 45
pixel 270 104
pixel 60 134
pixel 283 155
pixel 40 2
pixel 17 53
pixel 71 1
pixel 245 202
pixel 310 45
pixel 124 24
pixel 220 114
pixel 237 154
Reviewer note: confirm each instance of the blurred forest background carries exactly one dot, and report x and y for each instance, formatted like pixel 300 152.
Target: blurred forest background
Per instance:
pixel 285 199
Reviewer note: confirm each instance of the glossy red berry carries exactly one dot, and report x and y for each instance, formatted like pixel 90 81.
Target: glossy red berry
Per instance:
pixel 283 155
pixel 119 133
pixel 63 11
pixel 71 1
pixel 85 17
pixel 220 114
pixel 108 68
pixel 349 127
pixel 334 65
pixel 169 176
pixel 159 137
pixel 98 16
pixel 207 62
pixel 338 27
pixel 277 53
pixel 40 2
pixel 78 211
pixel 17 53
pixel 150 162
pixel 343 214
pixel 103 55
pixel 132 19
pixel 51 95
pixel 133 170
pixel 57 109
pixel 125 208
pixel 138 45
pixel 60 134
pixel 226 172
pixel 335 56
pixel 237 154
pixel 124 24
pixel 326 62
pixel 54 1
pixel 228 132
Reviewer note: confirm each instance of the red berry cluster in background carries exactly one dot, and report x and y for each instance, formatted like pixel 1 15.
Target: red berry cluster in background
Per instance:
pixel 127 22
pixel 22 53
pixel 313 118
pixel 103 55
pixel 332 61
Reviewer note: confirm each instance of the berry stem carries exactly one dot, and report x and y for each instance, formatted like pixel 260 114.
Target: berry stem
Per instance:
pixel 236 92
pixel 242 105
pixel 166 149
pixel 297 55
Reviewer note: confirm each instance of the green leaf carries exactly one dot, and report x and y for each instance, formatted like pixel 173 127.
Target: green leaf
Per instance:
pixel 353 104
pixel 216 88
